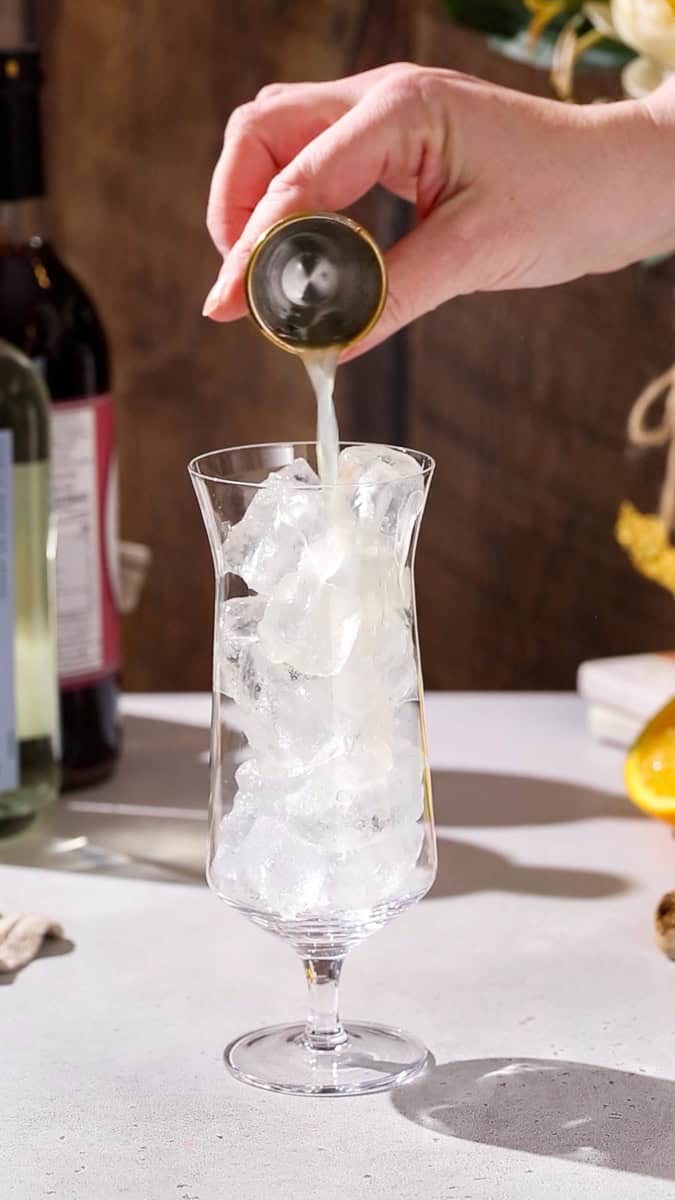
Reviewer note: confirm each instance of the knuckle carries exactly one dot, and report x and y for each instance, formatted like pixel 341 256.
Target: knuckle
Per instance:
pixel 413 84
pixel 287 183
pixel 241 120
pixel 404 86
pixel 271 91
pixel 399 309
pixel 433 85
pixel 248 116
pixel 302 181
pixel 214 220
pixel 402 70
pixel 405 77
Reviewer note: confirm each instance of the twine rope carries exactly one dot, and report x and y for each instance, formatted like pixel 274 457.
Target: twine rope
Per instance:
pixel 640 433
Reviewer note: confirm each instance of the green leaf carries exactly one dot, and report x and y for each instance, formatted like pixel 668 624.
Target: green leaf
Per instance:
pixel 504 17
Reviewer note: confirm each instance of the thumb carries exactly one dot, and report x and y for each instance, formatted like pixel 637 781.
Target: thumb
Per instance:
pixel 330 173
pixel 428 266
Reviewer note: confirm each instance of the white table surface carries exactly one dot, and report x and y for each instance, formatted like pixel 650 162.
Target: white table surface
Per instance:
pixel 531 971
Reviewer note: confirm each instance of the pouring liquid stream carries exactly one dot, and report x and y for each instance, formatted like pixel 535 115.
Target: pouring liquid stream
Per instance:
pixel 321 366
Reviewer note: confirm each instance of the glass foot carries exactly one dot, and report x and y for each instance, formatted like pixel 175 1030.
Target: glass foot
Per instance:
pixel 373 1058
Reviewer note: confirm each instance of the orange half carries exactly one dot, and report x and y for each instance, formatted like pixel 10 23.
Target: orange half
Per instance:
pixel 650 766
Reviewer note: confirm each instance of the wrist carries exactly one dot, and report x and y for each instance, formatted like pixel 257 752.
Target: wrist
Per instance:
pixel 635 141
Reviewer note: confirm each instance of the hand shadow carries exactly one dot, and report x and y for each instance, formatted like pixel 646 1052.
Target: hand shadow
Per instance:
pixel 464 800
pixel 464 868
pixel 567 1110
pixel 477 799
pixel 51 947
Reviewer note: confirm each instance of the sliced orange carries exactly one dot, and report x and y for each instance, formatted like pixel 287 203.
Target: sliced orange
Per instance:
pixel 650 766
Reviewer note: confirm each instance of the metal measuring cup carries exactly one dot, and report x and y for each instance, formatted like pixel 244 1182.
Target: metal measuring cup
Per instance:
pixel 316 281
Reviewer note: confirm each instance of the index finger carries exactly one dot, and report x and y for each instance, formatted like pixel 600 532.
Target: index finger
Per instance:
pixel 265 135
pixel 261 138
pixel 367 145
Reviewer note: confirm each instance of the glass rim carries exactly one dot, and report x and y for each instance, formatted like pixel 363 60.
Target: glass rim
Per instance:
pixel 426 463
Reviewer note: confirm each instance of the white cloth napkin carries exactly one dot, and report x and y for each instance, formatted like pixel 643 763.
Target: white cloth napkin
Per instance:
pixel 21 936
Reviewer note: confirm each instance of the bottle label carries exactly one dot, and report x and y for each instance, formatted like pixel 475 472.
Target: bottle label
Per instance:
pixel 9 758
pixel 84 496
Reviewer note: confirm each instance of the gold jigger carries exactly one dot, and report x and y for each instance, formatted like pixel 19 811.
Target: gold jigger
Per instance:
pixel 316 281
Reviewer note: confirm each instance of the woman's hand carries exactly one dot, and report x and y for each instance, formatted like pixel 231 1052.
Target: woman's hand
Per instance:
pixel 511 191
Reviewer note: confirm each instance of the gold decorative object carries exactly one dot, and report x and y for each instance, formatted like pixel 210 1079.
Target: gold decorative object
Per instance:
pixel 646 536
pixel 543 12
pixel 645 539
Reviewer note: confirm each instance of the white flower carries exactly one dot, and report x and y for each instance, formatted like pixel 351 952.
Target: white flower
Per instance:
pixel 642 76
pixel 647 26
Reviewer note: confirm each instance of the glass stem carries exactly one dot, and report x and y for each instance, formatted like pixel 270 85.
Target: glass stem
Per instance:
pixel 323 1030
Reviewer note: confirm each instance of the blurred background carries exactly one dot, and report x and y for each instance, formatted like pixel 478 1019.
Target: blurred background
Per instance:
pixel 522 399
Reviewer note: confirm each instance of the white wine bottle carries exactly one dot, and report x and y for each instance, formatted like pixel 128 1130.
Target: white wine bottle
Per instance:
pixel 46 313
pixel 29 715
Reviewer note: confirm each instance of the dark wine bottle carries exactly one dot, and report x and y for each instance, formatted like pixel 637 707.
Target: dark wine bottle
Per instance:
pixel 47 314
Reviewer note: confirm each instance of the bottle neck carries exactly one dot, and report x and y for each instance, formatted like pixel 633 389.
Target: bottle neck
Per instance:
pixel 22 222
pixel 21 167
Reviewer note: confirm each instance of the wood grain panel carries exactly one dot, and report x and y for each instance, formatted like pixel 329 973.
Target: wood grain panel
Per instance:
pixel 136 102
pixel 522 398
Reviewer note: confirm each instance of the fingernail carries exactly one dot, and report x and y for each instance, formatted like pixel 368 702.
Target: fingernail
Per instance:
pixel 215 296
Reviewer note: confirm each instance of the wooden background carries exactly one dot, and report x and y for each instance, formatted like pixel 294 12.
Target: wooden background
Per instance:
pixel 521 398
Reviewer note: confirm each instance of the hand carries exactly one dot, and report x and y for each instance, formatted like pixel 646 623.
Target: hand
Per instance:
pixel 511 191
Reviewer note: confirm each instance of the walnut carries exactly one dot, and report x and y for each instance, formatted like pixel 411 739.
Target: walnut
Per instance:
pixel 664 921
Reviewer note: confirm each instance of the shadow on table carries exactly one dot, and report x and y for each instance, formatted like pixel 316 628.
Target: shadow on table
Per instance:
pixel 467 798
pixel 464 800
pixel 51 947
pixel 147 822
pixel 558 1109
pixel 464 868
